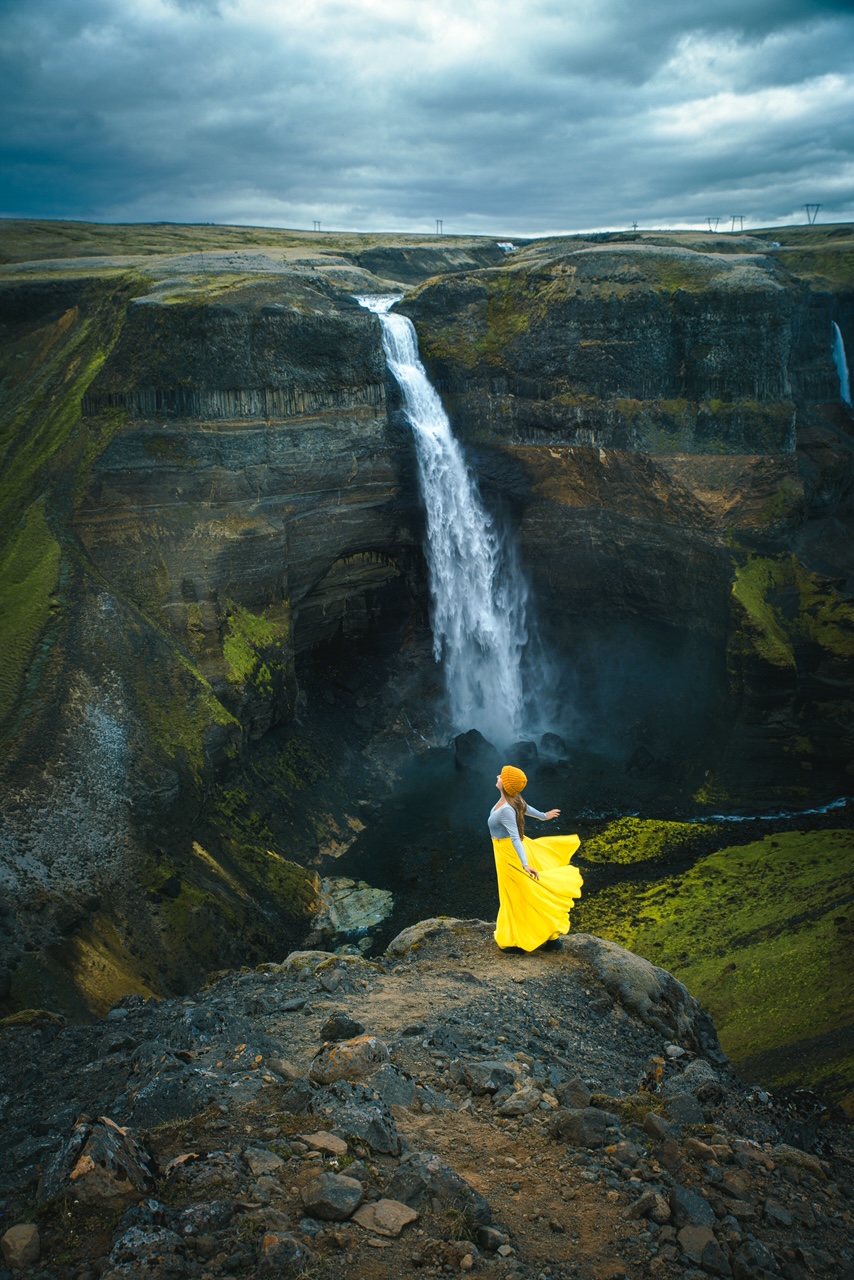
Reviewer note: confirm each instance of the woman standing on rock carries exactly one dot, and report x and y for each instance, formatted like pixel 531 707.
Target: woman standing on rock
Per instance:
pixel 536 884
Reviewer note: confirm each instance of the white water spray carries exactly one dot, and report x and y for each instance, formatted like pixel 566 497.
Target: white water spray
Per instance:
pixel 841 364
pixel 480 624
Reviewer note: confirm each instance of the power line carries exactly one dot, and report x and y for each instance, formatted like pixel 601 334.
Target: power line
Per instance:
pixel 737 218
pixel 316 224
pixel 812 212
pixel 439 226
pixel 716 222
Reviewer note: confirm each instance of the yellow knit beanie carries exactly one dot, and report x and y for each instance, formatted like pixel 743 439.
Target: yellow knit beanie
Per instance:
pixel 513 780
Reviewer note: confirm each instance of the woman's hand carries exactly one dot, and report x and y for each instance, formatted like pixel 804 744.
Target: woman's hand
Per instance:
pixel 553 813
pixel 533 873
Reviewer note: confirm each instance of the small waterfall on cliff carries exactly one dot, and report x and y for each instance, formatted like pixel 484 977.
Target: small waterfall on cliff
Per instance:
pixel 480 616
pixel 841 364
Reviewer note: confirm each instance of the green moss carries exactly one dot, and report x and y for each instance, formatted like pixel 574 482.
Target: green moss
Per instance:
pixel 754 580
pixel 278 780
pixel 711 792
pixel 45 451
pixel 248 636
pixel 631 840
pixel 43 439
pixel 509 302
pixel 29 573
pixel 179 707
pixel 760 933
pixel 823 264
pixel 785 605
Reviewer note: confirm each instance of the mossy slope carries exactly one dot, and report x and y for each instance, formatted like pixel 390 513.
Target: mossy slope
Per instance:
pixel 763 935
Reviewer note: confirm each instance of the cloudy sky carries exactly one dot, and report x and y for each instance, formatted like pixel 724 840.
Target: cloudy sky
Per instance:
pixel 498 116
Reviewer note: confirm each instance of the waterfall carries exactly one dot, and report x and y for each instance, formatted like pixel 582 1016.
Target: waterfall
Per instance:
pixel 841 364
pixel 479 594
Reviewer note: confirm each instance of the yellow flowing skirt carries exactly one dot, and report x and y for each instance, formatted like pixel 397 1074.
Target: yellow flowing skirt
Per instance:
pixel 530 911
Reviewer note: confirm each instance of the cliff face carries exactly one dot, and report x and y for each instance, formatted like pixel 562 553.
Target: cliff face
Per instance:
pixel 252 500
pixel 670 421
pixel 207 481
pixel 220 491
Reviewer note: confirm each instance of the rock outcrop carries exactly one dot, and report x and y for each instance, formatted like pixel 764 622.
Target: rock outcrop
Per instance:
pixel 604 1145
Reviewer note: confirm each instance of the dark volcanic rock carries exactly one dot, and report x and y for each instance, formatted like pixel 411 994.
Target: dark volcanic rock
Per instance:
pixel 423 1175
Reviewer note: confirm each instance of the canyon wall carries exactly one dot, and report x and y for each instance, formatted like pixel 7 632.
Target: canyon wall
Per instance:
pixel 208 485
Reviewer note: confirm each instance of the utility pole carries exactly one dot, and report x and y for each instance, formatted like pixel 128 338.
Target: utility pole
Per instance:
pixel 316 224
pixel 737 218
pixel 715 221
pixel 439 225
pixel 812 212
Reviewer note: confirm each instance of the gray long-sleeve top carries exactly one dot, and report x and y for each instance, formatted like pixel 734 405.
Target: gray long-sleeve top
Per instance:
pixel 502 826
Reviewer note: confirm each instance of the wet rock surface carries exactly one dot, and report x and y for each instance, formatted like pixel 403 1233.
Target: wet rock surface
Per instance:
pixel 238 1169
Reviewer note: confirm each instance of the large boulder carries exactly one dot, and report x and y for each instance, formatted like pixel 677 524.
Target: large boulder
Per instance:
pixel 100 1161
pixel 423 1176
pixel 650 993
pixel 348 1059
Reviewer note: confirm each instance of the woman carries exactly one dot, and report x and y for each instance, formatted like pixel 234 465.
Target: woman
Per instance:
pixel 536 884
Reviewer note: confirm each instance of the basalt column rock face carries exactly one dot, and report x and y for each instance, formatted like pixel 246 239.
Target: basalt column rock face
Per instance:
pixel 253 500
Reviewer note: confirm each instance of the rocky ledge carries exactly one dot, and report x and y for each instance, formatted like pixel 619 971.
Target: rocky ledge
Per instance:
pixel 447 1108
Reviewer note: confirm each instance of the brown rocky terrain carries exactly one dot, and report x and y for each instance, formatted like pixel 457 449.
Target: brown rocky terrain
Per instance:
pixel 445 1109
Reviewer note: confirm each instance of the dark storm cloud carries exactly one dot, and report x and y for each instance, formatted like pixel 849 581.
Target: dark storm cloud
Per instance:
pixel 389 113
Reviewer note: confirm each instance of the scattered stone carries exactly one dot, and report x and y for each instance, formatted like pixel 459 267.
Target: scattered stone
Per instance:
pixel 714 1260
pixel 262 1162
pixel 684 1109
pixel 490 1075
pixel 415 935
pixel 754 1261
pixel 784 1154
pixel 356 1111
pixel 350 907
pixel 573 1094
pixel 340 1026
pixel 582 1126
pixel 776 1213
pixel 41 1018
pixel 385 1217
pixel 521 1102
pixel 348 1059
pixel 475 753
pixel 21 1246
pixel 693 1240
pixel 697 1075
pixel 281 1253
pixel 332 1196
pixel 283 1068
pixel 100 1160
pixel 423 1176
pixel 491 1239
pixel 656 1126
pixel 690 1209
pixel 701 1150
pixel 649 1205
pixel 395 1089
pixel 326 1142
pixel 141 1249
